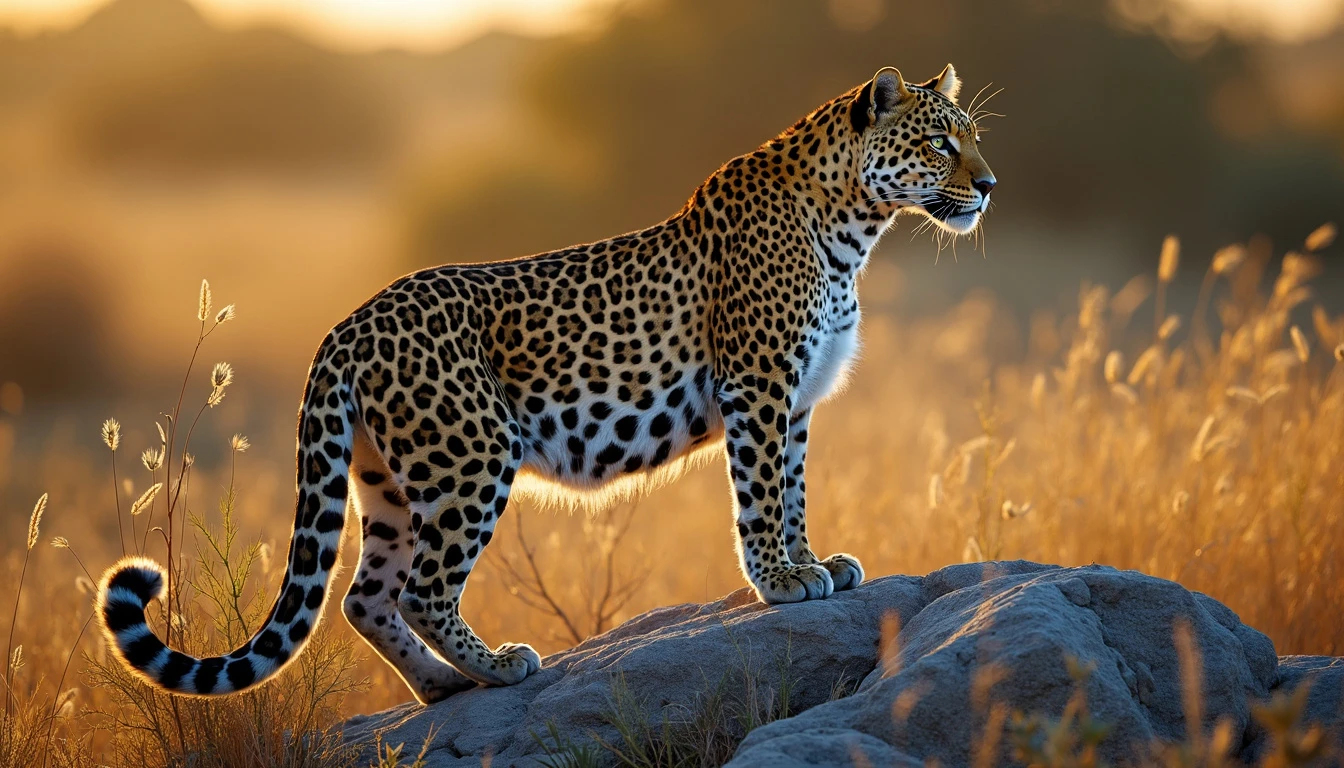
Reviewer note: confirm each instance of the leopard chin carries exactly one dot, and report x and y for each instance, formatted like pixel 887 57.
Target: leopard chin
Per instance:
pixel 961 223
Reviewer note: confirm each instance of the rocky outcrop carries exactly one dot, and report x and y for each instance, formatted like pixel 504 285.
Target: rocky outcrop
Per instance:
pixel 899 671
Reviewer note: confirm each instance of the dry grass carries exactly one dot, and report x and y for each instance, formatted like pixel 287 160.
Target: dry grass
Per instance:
pixel 1212 458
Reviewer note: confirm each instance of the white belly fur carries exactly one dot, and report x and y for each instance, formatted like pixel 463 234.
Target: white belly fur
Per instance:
pixel 828 368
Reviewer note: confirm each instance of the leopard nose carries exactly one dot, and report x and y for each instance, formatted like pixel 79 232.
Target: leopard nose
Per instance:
pixel 985 186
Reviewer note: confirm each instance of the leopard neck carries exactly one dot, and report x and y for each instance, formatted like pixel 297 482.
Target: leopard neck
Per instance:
pixel 821 156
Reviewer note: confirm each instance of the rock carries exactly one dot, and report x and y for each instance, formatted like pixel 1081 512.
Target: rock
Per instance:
pixel 1323 677
pixel 671 660
pixel 976 642
pixel 1001 634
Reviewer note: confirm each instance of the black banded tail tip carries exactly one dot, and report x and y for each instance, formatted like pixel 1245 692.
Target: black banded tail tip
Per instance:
pixel 133 577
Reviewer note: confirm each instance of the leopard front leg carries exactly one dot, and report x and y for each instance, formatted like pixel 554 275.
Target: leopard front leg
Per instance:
pixel 756 436
pixel 845 570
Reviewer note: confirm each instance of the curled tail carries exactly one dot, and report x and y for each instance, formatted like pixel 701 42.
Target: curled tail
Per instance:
pixel 325 439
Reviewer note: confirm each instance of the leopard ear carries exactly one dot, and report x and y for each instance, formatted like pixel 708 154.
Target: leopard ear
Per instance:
pixel 946 83
pixel 878 98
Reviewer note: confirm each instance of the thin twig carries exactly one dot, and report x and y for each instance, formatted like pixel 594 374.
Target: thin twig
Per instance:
pixel 51 724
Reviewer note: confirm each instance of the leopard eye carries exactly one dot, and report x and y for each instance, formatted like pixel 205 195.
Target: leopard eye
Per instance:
pixel 939 143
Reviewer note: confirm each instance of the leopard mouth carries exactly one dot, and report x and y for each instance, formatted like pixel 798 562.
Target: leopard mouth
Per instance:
pixel 953 215
pixel 962 223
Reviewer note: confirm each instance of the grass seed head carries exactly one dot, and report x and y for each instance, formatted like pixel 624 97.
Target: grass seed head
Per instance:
pixel 1169 326
pixel 1130 296
pixel 146 498
pixel 16 658
pixel 1115 361
pixel 972 553
pixel 1180 502
pixel 1092 305
pixel 1125 392
pixel 152 458
pixel 1200 448
pixel 1281 360
pixel 1228 258
pixel 239 443
pixel 225 315
pixel 1321 237
pixel 60 542
pixel 65 704
pixel 1273 392
pixel 35 520
pixel 221 376
pixel 1146 361
pixel 1300 343
pixel 1297 268
pixel 206 299
pixel 112 434
pixel 1171 258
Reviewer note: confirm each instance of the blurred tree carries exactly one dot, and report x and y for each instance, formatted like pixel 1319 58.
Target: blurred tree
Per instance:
pixel 53 319
pixel 259 100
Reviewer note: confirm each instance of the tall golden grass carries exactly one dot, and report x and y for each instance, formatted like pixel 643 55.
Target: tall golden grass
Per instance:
pixel 1207 448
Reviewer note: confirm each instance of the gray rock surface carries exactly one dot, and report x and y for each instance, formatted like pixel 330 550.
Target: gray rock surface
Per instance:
pixel 971 637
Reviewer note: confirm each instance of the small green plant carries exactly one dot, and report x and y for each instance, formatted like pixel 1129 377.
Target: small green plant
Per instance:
pixel 561 751
pixel 709 729
pixel 390 756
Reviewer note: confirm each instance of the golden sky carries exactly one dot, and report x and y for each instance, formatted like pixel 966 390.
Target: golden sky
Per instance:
pixel 1281 20
pixel 427 24
pixel 349 23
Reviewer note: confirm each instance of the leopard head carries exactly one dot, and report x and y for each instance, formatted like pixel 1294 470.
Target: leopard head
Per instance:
pixel 920 151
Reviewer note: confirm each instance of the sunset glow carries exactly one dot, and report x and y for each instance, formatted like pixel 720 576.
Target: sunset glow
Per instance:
pixel 356 24
pixel 430 24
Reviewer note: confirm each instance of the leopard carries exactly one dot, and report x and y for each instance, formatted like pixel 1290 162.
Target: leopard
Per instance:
pixel 719 329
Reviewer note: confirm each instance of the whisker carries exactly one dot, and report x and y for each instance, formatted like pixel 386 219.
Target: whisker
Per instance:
pixel 971 108
pixel 987 98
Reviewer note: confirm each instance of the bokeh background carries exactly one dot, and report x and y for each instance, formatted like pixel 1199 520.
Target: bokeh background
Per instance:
pixel 302 154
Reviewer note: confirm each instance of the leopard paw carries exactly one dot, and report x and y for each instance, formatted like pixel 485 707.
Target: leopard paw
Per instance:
pixel 794 584
pixel 442 686
pixel 514 662
pixel 845 570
